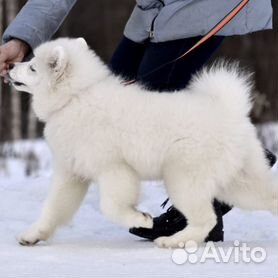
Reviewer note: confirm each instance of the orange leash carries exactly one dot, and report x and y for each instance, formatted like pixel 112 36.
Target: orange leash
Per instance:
pixel 211 33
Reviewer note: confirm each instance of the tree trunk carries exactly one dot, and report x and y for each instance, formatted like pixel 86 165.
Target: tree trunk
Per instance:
pixel 15 96
pixel 1 84
pixel 5 108
pixel 32 124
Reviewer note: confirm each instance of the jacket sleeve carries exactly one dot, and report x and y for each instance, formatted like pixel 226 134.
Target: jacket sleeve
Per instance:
pixel 38 20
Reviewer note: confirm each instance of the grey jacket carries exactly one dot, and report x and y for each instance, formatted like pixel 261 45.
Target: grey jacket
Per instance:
pixel 159 20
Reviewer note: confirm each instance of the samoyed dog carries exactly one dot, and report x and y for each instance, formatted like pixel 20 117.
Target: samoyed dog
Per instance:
pixel 199 141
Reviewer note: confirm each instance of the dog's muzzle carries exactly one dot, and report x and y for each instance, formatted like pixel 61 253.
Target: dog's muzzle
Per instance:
pixel 12 81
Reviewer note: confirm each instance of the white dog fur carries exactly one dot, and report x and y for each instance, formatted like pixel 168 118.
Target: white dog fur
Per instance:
pixel 200 141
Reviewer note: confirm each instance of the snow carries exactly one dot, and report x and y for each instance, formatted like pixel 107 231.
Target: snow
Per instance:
pixel 24 158
pixel 92 246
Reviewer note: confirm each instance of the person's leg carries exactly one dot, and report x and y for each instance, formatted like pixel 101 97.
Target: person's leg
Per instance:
pixel 174 76
pixel 135 60
pixel 275 15
pixel 127 58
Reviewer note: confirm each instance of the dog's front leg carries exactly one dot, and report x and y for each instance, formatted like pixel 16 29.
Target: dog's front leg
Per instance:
pixel 65 196
pixel 119 188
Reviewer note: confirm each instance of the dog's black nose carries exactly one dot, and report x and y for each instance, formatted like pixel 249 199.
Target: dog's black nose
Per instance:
pixel 11 66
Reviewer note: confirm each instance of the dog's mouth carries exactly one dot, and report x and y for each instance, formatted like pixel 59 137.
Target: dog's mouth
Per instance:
pixel 11 81
pixel 18 84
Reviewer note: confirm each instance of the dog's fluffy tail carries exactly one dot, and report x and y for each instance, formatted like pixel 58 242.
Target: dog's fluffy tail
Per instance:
pixel 228 84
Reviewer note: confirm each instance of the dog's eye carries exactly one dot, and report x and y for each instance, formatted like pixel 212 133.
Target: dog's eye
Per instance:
pixel 32 69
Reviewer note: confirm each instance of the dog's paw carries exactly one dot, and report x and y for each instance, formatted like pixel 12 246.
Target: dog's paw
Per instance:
pixel 175 241
pixel 148 220
pixel 32 237
pixel 168 242
pixel 179 240
pixel 142 220
pixel 27 242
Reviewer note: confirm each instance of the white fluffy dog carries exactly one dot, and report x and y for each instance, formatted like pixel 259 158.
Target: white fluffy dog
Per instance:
pixel 200 141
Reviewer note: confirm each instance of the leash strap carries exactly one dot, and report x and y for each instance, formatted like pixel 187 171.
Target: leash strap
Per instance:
pixel 211 33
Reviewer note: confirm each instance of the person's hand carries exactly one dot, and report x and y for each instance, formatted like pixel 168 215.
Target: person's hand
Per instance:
pixel 12 52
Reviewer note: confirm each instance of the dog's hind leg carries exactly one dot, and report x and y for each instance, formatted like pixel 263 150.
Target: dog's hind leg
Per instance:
pixel 192 196
pixel 255 187
pixel 119 190
pixel 65 197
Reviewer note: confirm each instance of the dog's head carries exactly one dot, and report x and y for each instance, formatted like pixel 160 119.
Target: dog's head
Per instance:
pixel 60 69
pixel 53 62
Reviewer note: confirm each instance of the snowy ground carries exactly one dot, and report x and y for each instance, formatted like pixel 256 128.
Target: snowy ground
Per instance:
pixel 92 246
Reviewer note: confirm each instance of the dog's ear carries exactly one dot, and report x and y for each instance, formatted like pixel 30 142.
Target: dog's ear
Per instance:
pixel 58 60
pixel 82 42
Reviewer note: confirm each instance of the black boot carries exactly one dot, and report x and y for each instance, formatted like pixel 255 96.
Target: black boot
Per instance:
pixel 172 221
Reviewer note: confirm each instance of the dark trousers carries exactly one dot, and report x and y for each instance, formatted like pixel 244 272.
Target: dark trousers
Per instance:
pixel 133 60
pixel 275 14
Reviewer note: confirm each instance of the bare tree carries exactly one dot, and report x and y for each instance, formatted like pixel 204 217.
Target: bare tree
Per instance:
pixel 32 124
pixel 1 87
pixel 11 10
pixel 5 109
